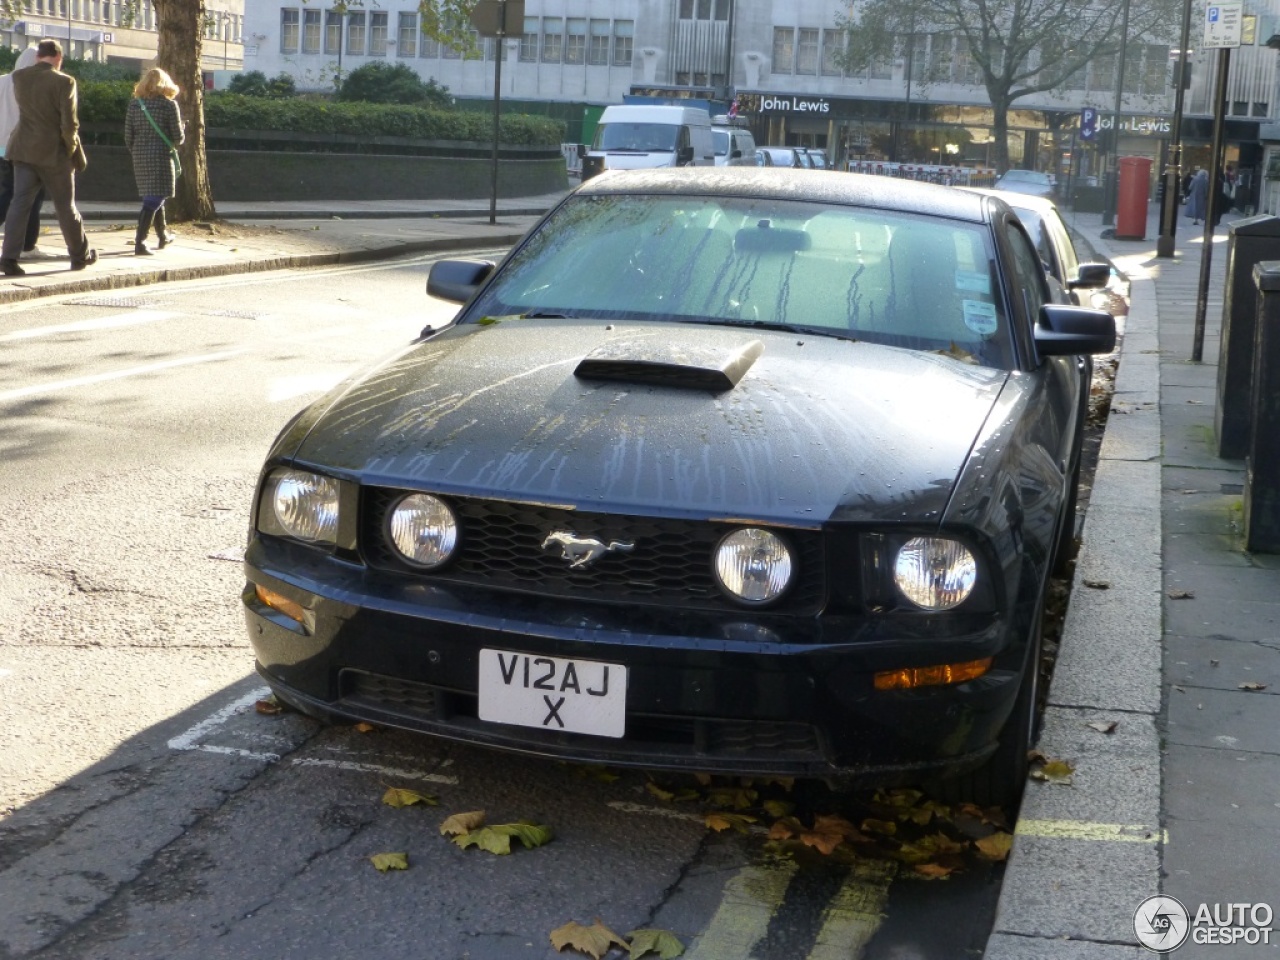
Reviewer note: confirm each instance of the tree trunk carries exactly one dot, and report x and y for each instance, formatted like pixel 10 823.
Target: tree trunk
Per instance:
pixel 1000 131
pixel 180 25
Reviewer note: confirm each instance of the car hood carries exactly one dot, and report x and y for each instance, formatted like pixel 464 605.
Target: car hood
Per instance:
pixel 815 428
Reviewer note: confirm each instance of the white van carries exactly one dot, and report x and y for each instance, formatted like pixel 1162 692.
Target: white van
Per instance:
pixel 734 144
pixel 632 136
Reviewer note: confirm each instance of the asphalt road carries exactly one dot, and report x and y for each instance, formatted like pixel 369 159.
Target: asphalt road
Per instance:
pixel 148 810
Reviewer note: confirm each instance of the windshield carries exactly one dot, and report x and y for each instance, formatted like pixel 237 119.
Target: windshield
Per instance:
pixel 639 137
pixel 851 272
pixel 1026 176
pixel 720 140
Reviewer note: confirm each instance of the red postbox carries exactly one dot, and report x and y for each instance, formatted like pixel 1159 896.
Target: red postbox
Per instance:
pixel 1131 198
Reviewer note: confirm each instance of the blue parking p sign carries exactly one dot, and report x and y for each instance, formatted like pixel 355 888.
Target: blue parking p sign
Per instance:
pixel 1088 123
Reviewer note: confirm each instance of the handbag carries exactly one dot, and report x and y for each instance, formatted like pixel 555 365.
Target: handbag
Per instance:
pixel 173 151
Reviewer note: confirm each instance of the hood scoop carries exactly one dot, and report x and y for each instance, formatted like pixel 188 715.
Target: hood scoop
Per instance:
pixel 714 368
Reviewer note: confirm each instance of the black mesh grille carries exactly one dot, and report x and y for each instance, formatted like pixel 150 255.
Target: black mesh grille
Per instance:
pixel 501 545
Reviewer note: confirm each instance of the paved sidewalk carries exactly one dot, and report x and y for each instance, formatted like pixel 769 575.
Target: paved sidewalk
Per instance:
pixel 1168 617
pixel 267 237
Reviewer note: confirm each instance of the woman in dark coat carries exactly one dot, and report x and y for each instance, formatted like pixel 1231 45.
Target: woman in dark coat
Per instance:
pixel 152 112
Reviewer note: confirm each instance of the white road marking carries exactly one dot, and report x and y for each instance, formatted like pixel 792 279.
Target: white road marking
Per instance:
pixel 55 386
pixel 131 319
pixel 1086 830
pixel 374 768
pixel 649 811
pixel 191 740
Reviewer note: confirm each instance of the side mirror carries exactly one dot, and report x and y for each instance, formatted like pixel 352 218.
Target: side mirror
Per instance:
pixel 736 155
pixel 1063 331
pixel 457 280
pixel 582 151
pixel 684 156
pixel 1091 275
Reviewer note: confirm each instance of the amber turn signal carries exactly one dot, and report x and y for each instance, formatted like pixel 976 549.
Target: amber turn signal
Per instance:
pixel 940 675
pixel 276 602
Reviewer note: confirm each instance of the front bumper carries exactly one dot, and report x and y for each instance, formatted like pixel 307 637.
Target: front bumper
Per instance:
pixel 706 693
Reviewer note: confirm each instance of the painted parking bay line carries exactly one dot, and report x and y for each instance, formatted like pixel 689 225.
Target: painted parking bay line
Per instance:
pixel 1088 830
pixel 193 739
pixel 131 319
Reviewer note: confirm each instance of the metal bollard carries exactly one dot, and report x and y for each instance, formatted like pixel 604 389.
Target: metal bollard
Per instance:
pixel 1249 242
pixel 1262 465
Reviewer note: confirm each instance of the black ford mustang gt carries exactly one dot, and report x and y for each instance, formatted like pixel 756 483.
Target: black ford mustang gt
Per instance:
pixel 735 470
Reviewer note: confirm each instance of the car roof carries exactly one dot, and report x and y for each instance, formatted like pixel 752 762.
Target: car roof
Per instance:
pixel 1027 201
pixel 850 189
pixel 1025 175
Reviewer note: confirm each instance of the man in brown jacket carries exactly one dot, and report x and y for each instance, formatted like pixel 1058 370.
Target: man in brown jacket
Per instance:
pixel 45 151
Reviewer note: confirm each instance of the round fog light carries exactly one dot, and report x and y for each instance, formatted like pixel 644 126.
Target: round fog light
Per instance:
pixel 423 530
pixel 753 565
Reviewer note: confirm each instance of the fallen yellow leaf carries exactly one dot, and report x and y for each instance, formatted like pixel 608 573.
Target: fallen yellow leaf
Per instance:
pixel 269 707
pixel 462 823
pixel 401 797
pixel 719 821
pixel 662 942
pixel 390 861
pixel 594 940
pixel 364 728
pixel 933 871
pixel 995 847
pixel 1054 771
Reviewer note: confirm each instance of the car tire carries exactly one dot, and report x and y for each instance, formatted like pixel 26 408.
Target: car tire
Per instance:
pixel 1000 781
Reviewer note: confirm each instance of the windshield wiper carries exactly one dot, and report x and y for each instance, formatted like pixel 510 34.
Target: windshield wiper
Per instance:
pixel 781 327
pixel 543 315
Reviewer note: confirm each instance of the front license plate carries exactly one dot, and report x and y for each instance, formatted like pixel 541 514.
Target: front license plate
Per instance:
pixel 552 693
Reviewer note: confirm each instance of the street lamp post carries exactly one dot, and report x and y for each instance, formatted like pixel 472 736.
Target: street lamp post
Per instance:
pixel 1109 204
pixel 1173 173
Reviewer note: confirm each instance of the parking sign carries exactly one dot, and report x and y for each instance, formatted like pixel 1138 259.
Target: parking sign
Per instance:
pixel 1222 23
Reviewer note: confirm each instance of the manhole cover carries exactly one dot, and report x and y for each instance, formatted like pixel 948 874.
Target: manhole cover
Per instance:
pixel 135 302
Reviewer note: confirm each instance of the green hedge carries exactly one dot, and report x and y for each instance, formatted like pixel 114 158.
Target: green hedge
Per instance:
pixel 106 103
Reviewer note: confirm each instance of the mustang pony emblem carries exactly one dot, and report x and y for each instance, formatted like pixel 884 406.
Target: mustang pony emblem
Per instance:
pixel 584 551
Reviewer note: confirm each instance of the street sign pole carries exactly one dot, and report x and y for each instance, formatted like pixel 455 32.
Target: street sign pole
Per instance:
pixel 499 54
pixel 495 18
pixel 1222 29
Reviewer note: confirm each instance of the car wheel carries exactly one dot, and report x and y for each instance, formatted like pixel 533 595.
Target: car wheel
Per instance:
pixel 1000 781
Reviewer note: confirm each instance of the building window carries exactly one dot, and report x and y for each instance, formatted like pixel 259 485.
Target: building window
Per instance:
pixel 966 70
pixel 355 34
pixel 1102 73
pixel 598 45
pixel 1155 70
pixel 449 52
pixel 378 33
pixel 1261 109
pixel 288 31
pixel 332 32
pixel 552 39
pixel 622 39
pixel 407 35
pixel 784 56
pixel 529 40
pixel 310 31
pixel 807 52
pixel 704 9
pixel 429 49
pixel 832 52
pixel 575 41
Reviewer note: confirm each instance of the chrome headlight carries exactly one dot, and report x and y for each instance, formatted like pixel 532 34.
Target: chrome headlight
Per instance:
pixel 935 573
pixel 754 565
pixel 301 505
pixel 423 530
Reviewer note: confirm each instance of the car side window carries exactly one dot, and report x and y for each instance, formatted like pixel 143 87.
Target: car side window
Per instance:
pixel 1029 271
